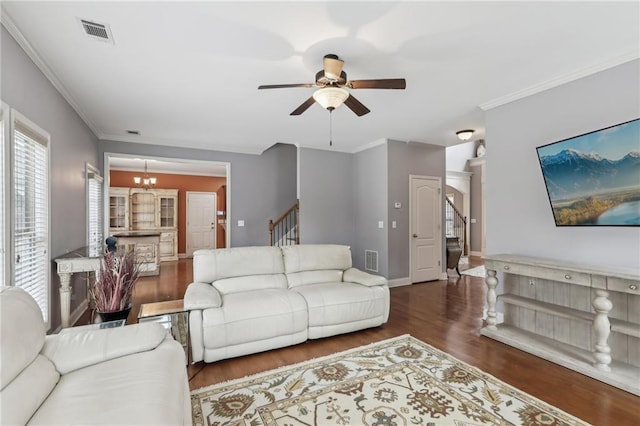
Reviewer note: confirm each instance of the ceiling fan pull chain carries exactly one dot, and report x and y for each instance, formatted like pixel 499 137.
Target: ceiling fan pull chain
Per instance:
pixel 330 127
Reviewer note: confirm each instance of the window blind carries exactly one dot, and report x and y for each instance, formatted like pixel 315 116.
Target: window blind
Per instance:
pixel 3 195
pixel 95 236
pixel 31 200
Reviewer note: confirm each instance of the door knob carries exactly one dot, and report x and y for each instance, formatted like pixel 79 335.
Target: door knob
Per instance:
pixel 415 235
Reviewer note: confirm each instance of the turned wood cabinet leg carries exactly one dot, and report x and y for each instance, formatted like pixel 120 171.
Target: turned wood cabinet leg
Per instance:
pixel 602 329
pixel 65 298
pixel 492 283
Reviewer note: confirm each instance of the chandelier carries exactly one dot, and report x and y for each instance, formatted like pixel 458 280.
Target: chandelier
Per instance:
pixel 145 181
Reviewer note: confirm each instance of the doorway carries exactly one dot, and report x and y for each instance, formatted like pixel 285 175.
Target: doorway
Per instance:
pixel 425 228
pixel 201 221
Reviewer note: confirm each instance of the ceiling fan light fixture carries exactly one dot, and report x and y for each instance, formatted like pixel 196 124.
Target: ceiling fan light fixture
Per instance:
pixel 465 135
pixel 330 97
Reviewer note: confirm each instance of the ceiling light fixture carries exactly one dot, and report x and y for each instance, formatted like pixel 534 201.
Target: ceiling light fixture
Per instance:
pixel 465 135
pixel 330 98
pixel 145 181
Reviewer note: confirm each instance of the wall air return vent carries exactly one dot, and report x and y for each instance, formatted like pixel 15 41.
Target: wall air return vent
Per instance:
pixel 97 31
pixel 371 260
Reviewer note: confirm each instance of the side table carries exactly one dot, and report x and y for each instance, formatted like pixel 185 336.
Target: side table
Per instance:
pixel 172 316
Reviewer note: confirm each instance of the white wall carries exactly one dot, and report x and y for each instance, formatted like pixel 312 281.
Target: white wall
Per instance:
pixel 458 155
pixel 519 218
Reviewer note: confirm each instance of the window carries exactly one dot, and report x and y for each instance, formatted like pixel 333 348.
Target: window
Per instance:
pixel 95 236
pixel 29 155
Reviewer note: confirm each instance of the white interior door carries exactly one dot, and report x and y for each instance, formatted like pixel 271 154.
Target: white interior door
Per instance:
pixel 426 228
pixel 201 221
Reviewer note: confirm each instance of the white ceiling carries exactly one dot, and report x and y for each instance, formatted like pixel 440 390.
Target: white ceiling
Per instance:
pixel 186 73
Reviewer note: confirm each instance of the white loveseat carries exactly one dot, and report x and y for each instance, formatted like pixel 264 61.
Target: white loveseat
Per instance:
pixel 132 375
pixel 251 299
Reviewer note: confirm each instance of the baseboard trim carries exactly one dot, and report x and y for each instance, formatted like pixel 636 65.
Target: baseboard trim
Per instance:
pixel 182 256
pixel 476 253
pixel 399 282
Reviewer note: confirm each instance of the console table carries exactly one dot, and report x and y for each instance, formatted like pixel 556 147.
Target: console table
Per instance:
pixel 584 318
pixel 84 259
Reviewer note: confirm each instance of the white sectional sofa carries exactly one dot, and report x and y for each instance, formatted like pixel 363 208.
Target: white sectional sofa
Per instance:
pixel 132 375
pixel 251 299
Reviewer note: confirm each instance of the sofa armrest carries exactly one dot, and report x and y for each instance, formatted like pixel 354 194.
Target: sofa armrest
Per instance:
pixel 357 276
pixel 201 296
pixel 73 350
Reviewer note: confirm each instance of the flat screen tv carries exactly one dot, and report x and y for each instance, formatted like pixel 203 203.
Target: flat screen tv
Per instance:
pixel 594 179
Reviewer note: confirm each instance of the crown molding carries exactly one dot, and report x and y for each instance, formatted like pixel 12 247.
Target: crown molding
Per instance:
pixel 174 143
pixel 560 80
pixel 15 32
pixel 369 145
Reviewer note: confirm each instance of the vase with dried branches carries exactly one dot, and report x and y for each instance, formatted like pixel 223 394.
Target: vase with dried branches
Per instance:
pixel 113 288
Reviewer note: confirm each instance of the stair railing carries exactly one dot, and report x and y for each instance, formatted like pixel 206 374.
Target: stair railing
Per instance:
pixel 285 230
pixel 456 224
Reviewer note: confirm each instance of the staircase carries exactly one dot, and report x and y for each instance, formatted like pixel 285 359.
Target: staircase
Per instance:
pixel 456 226
pixel 285 230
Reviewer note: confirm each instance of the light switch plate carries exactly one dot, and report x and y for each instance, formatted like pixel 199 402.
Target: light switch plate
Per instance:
pixel 241 223
pixel 380 224
pixel 397 205
pixel 393 224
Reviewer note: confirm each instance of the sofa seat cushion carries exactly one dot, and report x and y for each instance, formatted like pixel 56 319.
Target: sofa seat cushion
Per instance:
pixel 297 279
pixel 342 302
pixel 250 282
pixel 139 389
pixel 253 316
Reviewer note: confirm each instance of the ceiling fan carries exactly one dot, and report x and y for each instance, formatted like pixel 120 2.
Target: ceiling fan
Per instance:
pixel 332 81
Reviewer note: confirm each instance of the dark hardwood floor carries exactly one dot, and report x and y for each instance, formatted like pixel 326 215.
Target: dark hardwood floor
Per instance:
pixel 445 314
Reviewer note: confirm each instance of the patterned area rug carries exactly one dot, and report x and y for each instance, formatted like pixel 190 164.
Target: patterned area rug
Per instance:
pixel 396 382
pixel 478 271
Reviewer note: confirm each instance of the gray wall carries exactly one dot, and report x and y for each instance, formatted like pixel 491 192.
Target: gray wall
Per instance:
pixel 327 207
pixel 406 159
pixel 27 90
pixel 261 187
pixel 519 218
pixel 371 207
pixel 475 210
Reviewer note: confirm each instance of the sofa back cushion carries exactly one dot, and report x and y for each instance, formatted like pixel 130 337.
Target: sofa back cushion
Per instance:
pixel 26 377
pixel 217 264
pixel 316 257
pixel 315 263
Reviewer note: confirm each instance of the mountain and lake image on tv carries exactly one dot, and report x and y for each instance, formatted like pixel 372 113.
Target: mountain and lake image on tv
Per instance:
pixel 594 179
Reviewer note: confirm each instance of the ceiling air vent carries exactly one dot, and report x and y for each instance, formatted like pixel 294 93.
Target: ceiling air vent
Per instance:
pixel 97 31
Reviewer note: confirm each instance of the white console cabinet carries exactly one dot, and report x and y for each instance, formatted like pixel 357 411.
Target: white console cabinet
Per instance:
pixel 586 319
pixel 140 211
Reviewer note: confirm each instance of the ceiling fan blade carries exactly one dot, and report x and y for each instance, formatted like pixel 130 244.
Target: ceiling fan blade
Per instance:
pixel 356 106
pixel 284 86
pixel 305 105
pixel 385 83
pixel 332 66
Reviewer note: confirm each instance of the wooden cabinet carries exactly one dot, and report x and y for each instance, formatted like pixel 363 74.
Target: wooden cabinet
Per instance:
pixel 140 210
pixel 169 245
pixel 167 208
pixel 586 319
pixel 118 209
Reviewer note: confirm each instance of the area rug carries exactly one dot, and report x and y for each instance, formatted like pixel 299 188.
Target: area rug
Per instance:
pixel 400 381
pixel 478 271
